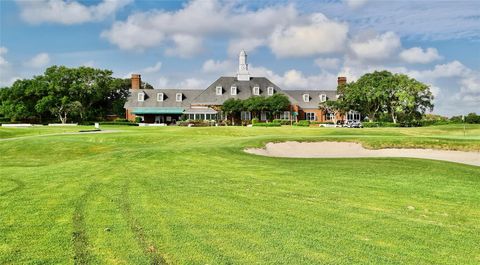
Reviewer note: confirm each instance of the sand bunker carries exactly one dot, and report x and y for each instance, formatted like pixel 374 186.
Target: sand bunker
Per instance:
pixel 355 150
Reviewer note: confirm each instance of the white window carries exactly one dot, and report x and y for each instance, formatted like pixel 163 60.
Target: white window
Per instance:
pixel 309 116
pixel 233 90
pixel 159 96
pixel 285 115
pixel 141 96
pixel 179 97
pixel 219 91
pixel 256 90
pixel 270 90
pixel 246 115
pixel 306 98
pixel 323 98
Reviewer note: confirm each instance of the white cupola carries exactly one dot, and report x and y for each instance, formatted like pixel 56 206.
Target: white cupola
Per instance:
pixel 243 74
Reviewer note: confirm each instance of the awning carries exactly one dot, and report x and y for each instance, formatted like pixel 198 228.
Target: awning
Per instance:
pixel 154 110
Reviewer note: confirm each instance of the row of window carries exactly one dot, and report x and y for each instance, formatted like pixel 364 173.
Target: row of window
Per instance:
pixel 160 97
pixel 306 98
pixel 234 90
pixel 310 116
pixel 200 116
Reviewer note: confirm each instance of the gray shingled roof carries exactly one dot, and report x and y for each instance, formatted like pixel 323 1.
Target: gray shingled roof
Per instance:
pixel 244 90
pixel 168 98
pixel 209 96
pixel 314 97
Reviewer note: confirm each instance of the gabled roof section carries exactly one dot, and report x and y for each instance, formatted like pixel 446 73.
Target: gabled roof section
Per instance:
pixel 169 98
pixel 314 96
pixel 244 90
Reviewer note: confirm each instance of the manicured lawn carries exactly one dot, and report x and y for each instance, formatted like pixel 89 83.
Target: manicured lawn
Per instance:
pixel 191 196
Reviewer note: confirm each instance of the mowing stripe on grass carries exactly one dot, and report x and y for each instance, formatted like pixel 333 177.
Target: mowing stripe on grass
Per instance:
pixel 79 236
pixel 20 185
pixel 146 245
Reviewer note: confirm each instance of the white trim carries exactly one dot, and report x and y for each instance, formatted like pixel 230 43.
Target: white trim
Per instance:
pixel 306 97
pixel 256 90
pixel 160 97
pixel 141 97
pixel 323 97
pixel 179 97
pixel 233 90
pixel 218 90
pixel 270 90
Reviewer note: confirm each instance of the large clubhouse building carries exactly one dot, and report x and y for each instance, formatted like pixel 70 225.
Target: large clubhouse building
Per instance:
pixel 171 105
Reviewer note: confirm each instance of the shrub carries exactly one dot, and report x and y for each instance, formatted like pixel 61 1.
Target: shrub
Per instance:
pixel 138 119
pixel 303 123
pixel 195 123
pixel 255 120
pixel 271 124
pixel 121 120
pixel 380 124
pixel 282 122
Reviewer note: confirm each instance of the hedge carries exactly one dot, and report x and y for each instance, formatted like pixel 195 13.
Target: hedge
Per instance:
pixel 271 124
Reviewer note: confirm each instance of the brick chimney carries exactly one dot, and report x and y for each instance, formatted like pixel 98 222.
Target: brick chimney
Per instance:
pixel 342 80
pixel 136 81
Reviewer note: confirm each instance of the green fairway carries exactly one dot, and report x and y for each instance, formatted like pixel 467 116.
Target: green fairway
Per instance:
pixel 179 195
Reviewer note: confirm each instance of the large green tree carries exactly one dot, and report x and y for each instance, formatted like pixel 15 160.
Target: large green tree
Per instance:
pixel 232 108
pixel 83 93
pixel 381 92
pixel 278 103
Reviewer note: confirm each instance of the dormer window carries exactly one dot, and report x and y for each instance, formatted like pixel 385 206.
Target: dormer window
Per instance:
pixel 323 98
pixel 256 90
pixel 233 90
pixel 179 97
pixel 159 96
pixel 306 98
pixel 141 97
pixel 270 90
pixel 218 90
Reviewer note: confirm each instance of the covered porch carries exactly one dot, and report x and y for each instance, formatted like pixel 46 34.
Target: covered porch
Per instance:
pixel 167 115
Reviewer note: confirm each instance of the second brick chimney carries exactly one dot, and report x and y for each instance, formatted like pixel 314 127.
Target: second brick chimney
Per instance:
pixel 342 80
pixel 136 81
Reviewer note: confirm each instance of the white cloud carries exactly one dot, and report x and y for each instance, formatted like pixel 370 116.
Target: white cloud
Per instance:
pixel 354 4
pixel 418 55
pixel 162 82
pixel 38 61
pixel 181 32
pixel 3 61
pixel 318 36
pixel 152 69
pixel 67 12
pixel 424 20
pixel 193 83
pixel 327 63
pixel 7 73
pixel 185 46
pixel 247 44
pixel 90 63
pixel 295 79
pixel 447 70
pixel 218 67
pixel 367 46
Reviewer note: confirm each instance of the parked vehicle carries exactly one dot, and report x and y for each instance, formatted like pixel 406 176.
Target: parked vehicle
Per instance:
pixel 353 124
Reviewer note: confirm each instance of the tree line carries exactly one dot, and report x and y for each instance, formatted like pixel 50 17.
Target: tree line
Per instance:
pixel 65 94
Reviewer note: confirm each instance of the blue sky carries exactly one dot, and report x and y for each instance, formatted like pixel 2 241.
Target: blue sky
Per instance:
pixel 297 44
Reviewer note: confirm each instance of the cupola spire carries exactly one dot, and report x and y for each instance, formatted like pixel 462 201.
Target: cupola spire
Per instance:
pixel 243 74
